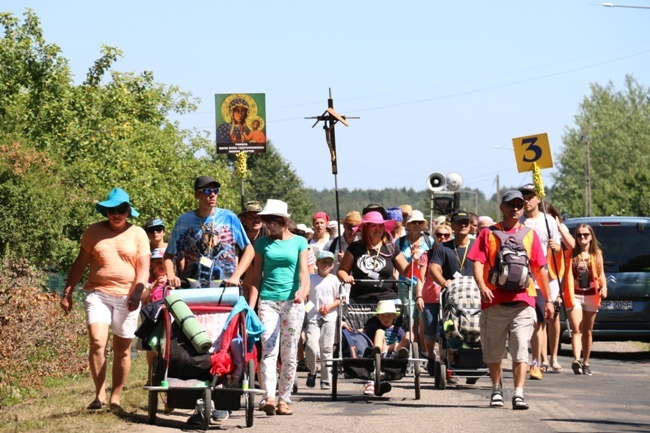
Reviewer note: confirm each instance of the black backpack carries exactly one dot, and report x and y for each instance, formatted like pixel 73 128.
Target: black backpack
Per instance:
pixel 511 270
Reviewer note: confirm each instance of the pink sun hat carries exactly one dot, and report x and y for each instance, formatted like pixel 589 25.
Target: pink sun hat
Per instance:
pixel 373 217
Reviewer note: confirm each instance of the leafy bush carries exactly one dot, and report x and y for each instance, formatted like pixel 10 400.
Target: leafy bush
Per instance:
pixel 37 341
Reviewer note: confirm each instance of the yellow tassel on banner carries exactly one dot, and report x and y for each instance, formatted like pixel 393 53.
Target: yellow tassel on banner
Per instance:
pixel 242 169
pixel 538 182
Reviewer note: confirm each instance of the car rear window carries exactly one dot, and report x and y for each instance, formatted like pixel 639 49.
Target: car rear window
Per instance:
pixel 626 248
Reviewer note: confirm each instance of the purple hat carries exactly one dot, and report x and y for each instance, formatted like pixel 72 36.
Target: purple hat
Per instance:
pixel 373 217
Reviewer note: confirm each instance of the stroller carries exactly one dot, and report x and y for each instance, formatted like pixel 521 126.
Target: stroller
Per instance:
pixel 352 354
pixel 459 338
pixel 205 355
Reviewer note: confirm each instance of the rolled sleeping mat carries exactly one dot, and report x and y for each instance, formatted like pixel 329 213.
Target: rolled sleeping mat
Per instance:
pixel 227 296
pixel 188 323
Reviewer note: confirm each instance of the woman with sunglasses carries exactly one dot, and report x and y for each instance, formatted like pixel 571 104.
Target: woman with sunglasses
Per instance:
pixel 372 257
pixel 584 287
pixel 281 281
pixel 155 229
pixel 118 254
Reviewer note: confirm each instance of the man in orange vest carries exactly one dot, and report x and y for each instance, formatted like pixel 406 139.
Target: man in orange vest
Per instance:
pixel 508 314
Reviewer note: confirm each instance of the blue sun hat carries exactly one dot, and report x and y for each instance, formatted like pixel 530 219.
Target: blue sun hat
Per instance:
pixel 116 197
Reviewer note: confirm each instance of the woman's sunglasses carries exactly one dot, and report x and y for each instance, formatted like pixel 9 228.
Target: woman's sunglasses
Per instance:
pixel 583 235
pixel 123 208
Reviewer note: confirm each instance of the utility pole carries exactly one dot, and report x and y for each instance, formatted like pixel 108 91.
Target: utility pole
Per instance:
pixel 585 137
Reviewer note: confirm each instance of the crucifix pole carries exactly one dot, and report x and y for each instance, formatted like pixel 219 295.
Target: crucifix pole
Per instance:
pixel 329 119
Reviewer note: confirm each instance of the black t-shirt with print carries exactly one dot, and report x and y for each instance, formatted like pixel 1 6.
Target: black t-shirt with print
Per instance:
pixel 368 263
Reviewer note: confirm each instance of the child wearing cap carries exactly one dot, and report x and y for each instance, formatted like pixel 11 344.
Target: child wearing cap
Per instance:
pixel 157 278
pixel 389 340
pixel 321 318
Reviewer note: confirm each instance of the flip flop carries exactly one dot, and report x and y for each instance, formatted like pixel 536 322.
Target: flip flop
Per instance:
pixel 117 409
pixel 96 405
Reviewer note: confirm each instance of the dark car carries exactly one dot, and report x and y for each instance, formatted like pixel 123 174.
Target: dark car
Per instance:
pixel 625 241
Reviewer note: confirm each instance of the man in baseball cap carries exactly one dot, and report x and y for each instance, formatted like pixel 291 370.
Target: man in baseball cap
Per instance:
pixel 207 240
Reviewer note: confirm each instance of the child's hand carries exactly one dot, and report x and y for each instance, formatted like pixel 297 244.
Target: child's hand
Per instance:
pixel 160 280
pixel 324 310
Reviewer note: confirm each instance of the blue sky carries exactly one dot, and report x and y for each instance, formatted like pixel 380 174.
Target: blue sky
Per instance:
pixel 438 86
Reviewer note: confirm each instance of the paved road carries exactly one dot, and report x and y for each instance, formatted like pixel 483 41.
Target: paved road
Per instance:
pixel 615 399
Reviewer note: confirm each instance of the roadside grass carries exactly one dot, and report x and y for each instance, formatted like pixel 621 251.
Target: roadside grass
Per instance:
pixel 61 405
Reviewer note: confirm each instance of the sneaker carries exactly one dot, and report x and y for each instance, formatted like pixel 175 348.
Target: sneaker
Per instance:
pixel 220 415
pixel 384 387
pixel 325 385
pixel 311 380
pixel 403 353
pixel 268 406
pixel 586 370
pixel 196 419
pixel 576 366
pixel 496 399
pixel 369 389
pixel 518 403
pixel 535 373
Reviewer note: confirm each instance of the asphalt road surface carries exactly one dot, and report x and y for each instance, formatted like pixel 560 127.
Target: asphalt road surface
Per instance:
pixel 615 399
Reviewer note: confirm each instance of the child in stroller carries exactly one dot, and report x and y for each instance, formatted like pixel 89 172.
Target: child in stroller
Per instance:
pixel 388 339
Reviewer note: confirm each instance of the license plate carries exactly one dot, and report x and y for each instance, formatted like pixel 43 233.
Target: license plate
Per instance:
pixel 616 305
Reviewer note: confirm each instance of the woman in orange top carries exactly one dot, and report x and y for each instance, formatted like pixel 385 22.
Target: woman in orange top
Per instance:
pixel 585 286
pixel 118 254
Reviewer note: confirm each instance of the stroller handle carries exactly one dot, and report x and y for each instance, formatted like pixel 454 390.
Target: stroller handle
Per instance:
pixel 382 282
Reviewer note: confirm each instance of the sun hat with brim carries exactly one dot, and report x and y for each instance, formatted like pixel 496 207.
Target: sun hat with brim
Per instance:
pixel 386 307
pixel 275 207
pixel 116 197
pixel 415 215
pixel 373 217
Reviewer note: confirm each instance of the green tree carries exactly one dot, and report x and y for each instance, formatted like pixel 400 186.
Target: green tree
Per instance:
pixel 271 176
pixel 65 146
pixel 616 125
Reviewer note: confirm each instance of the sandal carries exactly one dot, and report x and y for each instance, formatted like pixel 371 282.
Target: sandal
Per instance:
pixel 544 366
pixel 555 365
pixel 518 403
pixel 96 405
pixel 283 408
pixel 496 399
pixel 268 406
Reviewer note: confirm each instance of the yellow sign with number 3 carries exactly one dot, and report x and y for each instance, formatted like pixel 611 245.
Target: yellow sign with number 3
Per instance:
pixel 532 149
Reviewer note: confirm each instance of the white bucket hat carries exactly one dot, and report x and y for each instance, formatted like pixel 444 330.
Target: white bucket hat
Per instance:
pixel 386 306
pixel 275 207
pixel 415 215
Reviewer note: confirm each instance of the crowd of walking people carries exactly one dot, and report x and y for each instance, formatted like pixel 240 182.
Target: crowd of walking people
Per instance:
pixel 292 275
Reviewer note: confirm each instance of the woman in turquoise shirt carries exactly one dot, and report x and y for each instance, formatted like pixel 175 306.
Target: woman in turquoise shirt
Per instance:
pixel 281 282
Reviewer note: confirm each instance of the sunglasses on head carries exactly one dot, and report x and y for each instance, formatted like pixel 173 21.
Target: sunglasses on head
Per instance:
pixel 123 208
pixel 208 191
pixel 156 229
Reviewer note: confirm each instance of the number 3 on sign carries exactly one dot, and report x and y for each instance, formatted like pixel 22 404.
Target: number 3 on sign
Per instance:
pixel 532 149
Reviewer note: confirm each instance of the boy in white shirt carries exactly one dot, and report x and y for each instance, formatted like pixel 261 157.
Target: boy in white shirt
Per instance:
pixel 321 318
